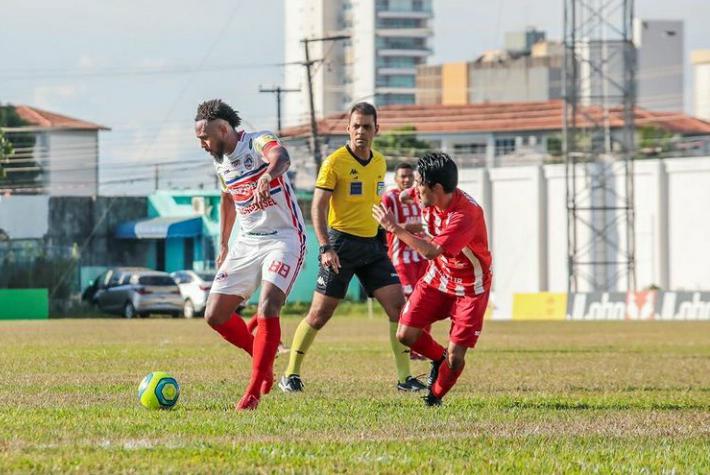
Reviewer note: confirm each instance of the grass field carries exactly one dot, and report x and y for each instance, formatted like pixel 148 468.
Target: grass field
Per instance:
pixel 535 397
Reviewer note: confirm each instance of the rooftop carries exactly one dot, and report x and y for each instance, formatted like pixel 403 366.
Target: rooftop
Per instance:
pixel 500 117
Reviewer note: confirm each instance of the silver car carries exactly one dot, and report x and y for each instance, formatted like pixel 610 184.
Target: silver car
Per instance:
pixel 132 292
pixel 195 287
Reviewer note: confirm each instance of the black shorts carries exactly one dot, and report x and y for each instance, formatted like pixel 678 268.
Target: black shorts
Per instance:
pixel 365 257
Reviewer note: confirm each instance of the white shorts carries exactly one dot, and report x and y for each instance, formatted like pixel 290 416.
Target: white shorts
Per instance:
pixel 251 261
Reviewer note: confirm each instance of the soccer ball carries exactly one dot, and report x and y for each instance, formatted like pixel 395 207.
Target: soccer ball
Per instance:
pixel 158 390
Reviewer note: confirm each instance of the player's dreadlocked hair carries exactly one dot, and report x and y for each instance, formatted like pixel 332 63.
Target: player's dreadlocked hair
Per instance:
pixel 438 167
pixel 216 109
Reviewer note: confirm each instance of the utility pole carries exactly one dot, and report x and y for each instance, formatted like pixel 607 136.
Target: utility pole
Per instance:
pixel 157 177
pixel 308 63
pixel 278 90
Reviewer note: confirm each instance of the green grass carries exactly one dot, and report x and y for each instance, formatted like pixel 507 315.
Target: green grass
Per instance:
pixel 535 397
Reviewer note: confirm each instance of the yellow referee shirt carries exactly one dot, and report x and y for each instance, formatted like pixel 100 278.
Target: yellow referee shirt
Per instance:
pixel 356 186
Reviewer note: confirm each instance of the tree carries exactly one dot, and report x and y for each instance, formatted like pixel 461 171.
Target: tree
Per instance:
pixel 401 144
pixel 17 152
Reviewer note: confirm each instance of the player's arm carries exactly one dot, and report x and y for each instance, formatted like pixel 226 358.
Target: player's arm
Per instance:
pixel 227 216
pixel 319 215
pixel 424 246
pixel 414 228
pixel 279 161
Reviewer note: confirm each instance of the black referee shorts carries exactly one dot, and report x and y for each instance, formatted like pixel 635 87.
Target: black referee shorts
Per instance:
pixel 364 257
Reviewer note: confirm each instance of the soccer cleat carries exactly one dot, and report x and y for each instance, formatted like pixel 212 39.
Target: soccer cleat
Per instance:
pixel 291 384
pixel 411 384
pixel 248 402
pixel 434 372
pixel 431 400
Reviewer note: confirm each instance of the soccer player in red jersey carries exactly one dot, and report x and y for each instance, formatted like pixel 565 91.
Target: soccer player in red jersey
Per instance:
pixel 409 264
pixel 458 279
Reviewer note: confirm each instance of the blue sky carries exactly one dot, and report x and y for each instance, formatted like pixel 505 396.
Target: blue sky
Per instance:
pixel 141 67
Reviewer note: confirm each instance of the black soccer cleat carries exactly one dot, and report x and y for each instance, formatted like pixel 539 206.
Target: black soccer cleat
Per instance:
pixel 291 384
pixel 411 384
pixel 431 400
pixel 434 372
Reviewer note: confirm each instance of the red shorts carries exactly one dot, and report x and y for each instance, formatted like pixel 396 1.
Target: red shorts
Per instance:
pixel 428 305
pixel 409 274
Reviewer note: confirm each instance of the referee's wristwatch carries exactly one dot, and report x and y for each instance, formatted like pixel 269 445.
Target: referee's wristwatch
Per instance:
pixel 325 248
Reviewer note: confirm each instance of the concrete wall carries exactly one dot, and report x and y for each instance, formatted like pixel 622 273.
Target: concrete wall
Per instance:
pixel 527 220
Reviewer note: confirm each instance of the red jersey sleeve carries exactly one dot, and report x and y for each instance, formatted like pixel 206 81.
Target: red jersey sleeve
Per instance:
pixel 388 201
pixel 458 233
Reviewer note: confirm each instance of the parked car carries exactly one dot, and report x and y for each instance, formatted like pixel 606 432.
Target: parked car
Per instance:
pixel 195 287
pixel 136 291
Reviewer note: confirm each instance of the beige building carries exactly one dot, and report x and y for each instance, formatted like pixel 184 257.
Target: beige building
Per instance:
pixel 701 83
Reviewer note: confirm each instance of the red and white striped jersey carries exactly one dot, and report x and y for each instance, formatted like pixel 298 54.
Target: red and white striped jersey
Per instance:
pixel 464 268
pixel 399 252
pixel 278 216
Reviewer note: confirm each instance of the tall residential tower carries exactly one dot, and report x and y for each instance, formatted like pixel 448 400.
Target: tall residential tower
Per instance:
pixel 388 40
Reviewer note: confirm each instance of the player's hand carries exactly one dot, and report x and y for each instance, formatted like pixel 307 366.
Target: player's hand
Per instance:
pixel 406 196
pixel 223 252
pixel 263 189
pixel 330 260
pixel 383 216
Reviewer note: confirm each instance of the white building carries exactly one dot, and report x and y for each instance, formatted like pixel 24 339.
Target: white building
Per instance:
pixel 65 151
pixel 388 39
pixel 660 64
pixel 701 83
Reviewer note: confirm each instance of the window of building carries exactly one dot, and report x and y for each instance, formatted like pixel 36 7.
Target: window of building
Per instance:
pixel 387 99
pixel 470 148
pixel 505 146
pixel 396 81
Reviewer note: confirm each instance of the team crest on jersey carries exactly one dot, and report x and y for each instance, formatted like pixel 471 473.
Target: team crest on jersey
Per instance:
pixel 249 162
pixel 243 192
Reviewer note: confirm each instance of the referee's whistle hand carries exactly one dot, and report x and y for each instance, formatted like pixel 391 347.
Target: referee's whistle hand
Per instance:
pixel 331 260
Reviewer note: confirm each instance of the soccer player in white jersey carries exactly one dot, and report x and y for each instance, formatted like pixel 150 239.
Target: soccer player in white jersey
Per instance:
pixel 271 242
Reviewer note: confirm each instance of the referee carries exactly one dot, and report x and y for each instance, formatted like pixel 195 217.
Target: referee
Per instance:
pixel 350 182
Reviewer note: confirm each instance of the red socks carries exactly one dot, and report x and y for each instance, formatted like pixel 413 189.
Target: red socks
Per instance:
pixel 425 345
pixel 252 323
pixel 235 331
pixel 446 380
pixel 266 342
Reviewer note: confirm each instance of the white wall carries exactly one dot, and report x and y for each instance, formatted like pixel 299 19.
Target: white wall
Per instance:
pixel 527 220
pixel 689 223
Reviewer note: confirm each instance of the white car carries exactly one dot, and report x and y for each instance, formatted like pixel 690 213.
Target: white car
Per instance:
pixel 194 288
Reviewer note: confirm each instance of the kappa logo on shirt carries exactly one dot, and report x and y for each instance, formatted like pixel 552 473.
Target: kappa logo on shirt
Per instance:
pixel 353 171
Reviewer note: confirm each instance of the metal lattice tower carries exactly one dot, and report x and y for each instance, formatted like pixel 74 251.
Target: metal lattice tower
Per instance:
pixel 599 84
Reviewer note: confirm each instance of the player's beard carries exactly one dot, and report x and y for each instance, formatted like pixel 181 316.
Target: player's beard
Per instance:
pixel 218 154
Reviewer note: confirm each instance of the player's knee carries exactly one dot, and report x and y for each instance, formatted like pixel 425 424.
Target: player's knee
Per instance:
pixel 270 307
pixel 407 336
pixel 317 319
pixel 214 318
